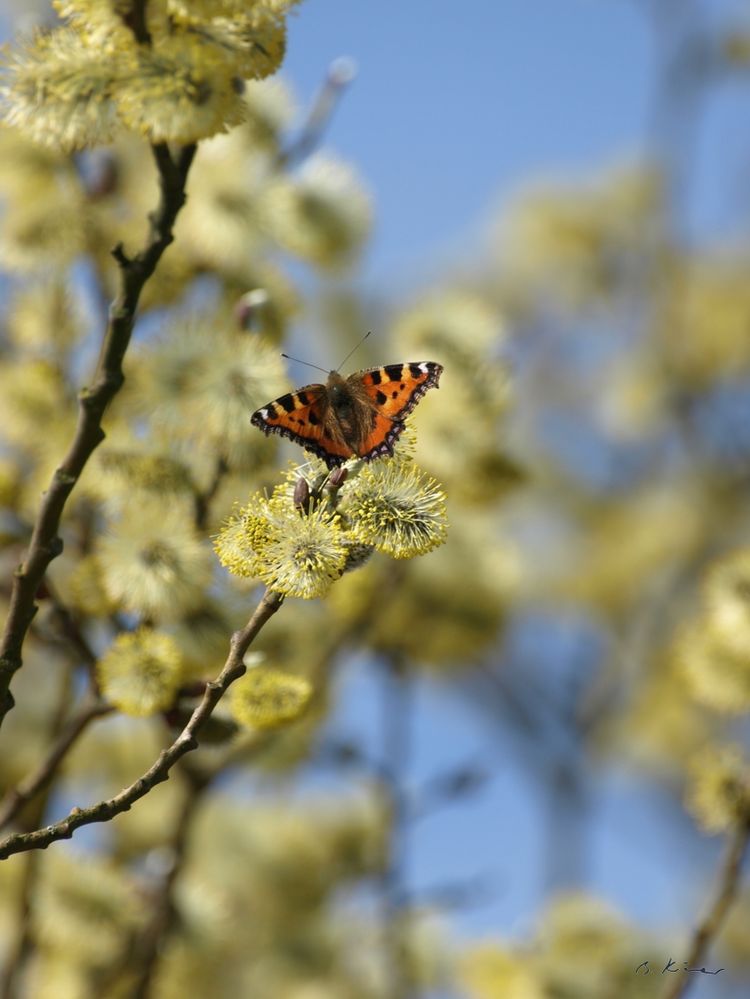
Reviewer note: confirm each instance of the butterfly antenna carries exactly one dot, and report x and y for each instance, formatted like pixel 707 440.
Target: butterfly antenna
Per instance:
pixel 306 363
pixel 355 347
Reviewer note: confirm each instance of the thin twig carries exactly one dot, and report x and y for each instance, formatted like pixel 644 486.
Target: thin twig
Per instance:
pixel 46 543
pixel 136 20
pixel 185 742
pixel 69 626
pixel 708 928
pixel 320 672
pixel 340 74
pixel 15 799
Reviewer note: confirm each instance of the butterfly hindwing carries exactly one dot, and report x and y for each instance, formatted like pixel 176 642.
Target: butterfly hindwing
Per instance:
pixel 384 434
pixel 304 417
pixel 395 389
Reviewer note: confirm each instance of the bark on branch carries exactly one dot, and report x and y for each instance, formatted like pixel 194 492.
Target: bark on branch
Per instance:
pixel 185 742
pixel 708 929
pixel 16 798
pixel 46 544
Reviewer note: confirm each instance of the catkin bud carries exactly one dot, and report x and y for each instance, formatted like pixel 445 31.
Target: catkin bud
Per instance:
pixel 302 495
pixel 338 477
pixel 249 308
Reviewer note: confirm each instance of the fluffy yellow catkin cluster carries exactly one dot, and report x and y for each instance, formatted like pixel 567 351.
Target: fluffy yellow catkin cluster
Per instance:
pixel 154 564
pixel 388 506
pixel 265 698
pixel 396 508
pixel 718 792
pixel 202 396
pixel 578 947
pixel 297 554
pixel 143 671
pixel 712 651
pixel 173 75
pixel 140 672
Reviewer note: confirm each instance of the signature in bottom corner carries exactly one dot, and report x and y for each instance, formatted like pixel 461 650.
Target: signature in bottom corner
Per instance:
pixel 671 966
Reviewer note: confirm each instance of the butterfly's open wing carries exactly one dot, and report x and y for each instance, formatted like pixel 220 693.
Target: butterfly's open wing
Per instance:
pixel 302 417
pixel 393 390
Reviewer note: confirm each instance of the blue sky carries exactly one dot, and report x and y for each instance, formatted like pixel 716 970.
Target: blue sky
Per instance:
pixel 458 105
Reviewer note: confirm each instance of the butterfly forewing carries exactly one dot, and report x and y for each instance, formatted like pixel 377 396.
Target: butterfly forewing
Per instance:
pixel 397 388
pixel 304 416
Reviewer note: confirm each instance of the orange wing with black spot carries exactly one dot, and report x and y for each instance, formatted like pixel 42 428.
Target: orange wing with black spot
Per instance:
pixel 304 416
pixel 395 389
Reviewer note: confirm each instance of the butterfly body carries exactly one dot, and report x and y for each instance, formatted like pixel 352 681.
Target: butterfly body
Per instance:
pixel 360 415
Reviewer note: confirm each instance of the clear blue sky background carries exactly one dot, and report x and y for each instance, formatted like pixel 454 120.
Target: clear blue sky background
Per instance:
pixel 456 104
pixel 456 107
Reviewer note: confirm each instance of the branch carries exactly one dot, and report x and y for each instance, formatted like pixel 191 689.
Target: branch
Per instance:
pixel 707 930
pixel 68 625
pixel 340 74
pixel 46 543
pixel 202 501
pixel 135 19
pixel 459 895
pixel 320 673
pixel 185 742
pixel 17 797
pixel 446 788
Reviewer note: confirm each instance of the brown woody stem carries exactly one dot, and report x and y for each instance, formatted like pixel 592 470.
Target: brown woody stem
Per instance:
pixel 16 798
pixel 185 742
pixel 46 544
pixel 726 893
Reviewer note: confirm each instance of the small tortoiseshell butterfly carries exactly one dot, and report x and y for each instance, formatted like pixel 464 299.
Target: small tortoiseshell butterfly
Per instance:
pixel 360 415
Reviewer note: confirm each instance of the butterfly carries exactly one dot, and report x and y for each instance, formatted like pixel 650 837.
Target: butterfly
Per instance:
pixel 360 415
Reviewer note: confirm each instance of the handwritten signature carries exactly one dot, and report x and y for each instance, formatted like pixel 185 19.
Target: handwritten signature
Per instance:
pixel 671 966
